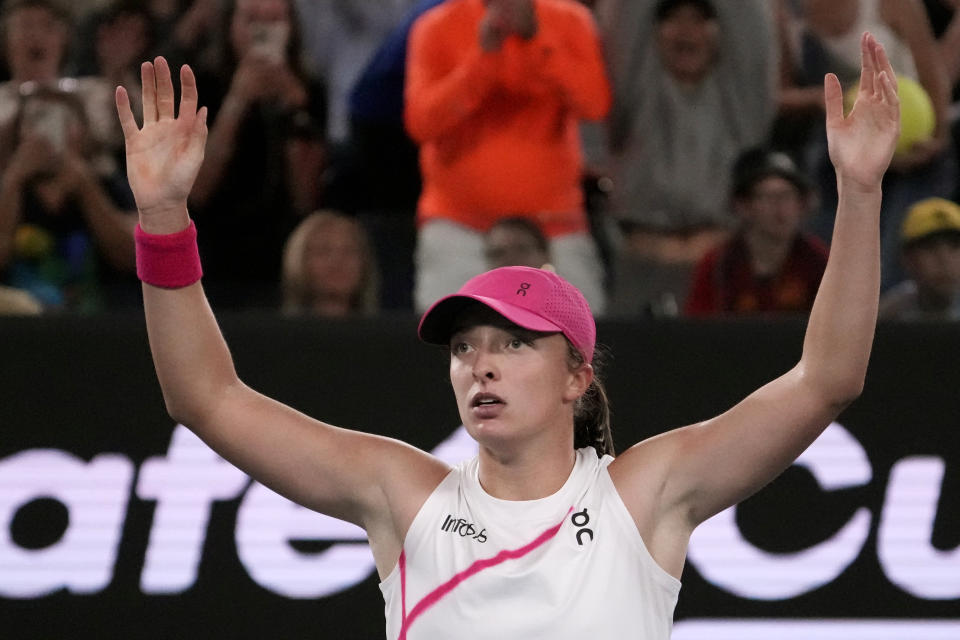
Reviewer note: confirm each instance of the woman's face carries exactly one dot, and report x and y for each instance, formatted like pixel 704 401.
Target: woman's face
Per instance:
pixel 335 260
pixel 260 25
pixel 688 41
pixel 513 385
pixel 36 43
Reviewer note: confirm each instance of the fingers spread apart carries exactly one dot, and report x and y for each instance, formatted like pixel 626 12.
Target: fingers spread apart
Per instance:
pixel 158 97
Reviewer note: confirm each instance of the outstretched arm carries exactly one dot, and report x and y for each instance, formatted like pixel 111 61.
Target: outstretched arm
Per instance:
pixel 702 469
pixel 371 481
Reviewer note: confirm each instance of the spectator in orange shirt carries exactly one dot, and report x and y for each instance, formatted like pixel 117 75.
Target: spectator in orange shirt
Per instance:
pixel 494 94
pixel 769 265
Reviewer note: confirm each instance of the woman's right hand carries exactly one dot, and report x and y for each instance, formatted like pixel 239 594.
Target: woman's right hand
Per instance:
pixel 164 155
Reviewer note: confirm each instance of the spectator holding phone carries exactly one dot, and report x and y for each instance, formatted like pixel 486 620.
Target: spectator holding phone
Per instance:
pixel 264 155
pixel 66 232
pixel 36 37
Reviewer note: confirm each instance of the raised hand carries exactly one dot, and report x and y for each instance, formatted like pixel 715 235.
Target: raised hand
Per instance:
pixel 164 155
pixel 862 144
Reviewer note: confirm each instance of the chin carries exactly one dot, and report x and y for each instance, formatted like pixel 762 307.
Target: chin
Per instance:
pixel 489 432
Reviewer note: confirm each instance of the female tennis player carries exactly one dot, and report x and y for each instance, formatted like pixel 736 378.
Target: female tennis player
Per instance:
pixel 535 537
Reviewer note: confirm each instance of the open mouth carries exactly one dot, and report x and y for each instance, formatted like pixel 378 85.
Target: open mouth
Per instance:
pixel 486 400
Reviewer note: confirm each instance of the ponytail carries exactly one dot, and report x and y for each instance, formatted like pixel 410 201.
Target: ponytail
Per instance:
pixel 591 418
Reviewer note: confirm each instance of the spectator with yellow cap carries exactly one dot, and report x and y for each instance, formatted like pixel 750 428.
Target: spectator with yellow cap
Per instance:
pixel 930 247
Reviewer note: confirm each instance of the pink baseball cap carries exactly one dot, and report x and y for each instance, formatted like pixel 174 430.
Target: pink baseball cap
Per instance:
pixel 531 298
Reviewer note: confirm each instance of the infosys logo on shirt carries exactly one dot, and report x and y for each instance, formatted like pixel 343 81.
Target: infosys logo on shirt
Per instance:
pixel 464 529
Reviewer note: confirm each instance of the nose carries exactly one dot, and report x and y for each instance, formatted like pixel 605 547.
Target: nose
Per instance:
pixel 485 366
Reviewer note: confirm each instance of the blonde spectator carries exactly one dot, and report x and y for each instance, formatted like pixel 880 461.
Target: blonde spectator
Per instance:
pixel 329 269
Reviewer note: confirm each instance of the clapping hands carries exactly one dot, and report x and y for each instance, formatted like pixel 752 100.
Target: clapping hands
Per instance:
pixel 504 18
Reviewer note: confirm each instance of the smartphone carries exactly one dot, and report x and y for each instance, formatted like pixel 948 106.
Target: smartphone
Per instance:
pixel 269 40
pixel 49 119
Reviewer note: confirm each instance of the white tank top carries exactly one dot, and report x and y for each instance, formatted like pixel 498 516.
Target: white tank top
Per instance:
pixel 571 565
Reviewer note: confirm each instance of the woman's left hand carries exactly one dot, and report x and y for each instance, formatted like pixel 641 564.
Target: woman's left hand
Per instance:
pixel 861 144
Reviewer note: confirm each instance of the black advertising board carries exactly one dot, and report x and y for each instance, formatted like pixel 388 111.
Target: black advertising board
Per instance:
pixel 115 522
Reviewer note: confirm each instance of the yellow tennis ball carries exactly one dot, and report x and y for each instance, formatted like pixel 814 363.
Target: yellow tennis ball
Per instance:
pixel 917 117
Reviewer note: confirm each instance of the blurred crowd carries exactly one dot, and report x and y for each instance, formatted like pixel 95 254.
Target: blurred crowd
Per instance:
pixel 668 157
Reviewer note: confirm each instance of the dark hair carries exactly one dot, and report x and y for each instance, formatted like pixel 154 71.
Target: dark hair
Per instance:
pixel 86 61
pixel 293 53
pixel 591 416
pixel 527 226
pixel 666 8
pixel 56 8
pixel 758 163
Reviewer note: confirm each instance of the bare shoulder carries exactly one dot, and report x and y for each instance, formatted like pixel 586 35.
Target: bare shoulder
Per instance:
pixel 642 472
pixel 641 475
pixel 409 476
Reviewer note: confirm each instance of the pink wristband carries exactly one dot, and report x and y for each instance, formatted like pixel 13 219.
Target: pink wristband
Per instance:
pixel 170 260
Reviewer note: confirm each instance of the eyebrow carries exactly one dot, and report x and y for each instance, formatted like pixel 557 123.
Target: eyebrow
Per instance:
pixel 527 335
